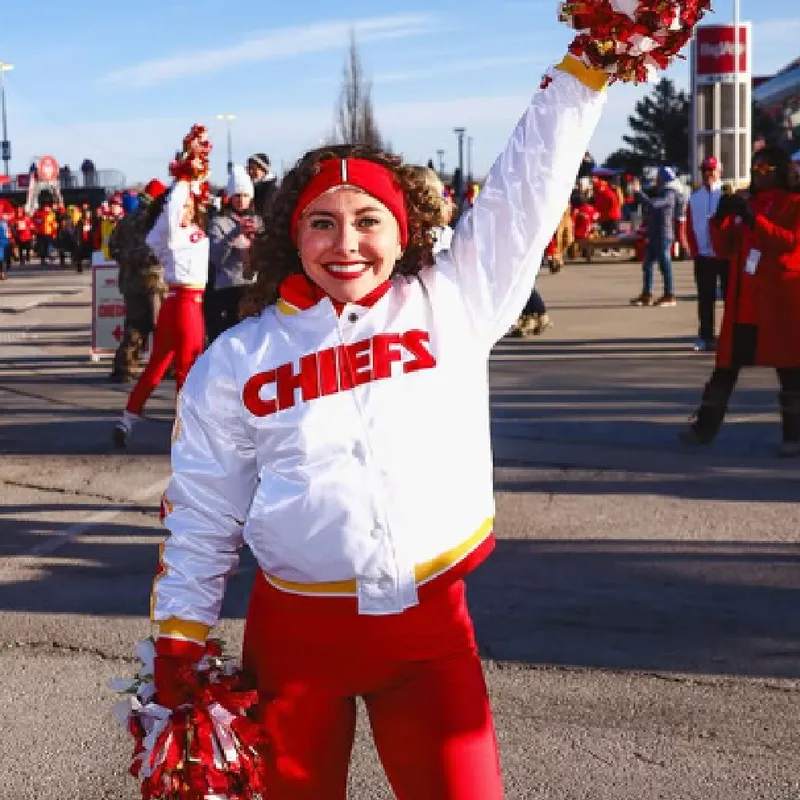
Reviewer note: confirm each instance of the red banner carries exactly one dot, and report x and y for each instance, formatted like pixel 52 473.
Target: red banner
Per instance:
pixel 716 49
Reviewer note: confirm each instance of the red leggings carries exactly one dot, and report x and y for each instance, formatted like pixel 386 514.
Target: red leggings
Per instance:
pixel 419 675
pixel 180 335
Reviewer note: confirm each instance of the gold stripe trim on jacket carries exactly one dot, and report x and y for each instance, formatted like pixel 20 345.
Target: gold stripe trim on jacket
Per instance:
pixel 286 308
pixel 423 573
pixel 436 566
pixel 176 628
pixel 595 79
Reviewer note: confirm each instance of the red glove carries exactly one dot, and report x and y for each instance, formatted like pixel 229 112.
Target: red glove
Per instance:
pixel 248 225
pixel 175 679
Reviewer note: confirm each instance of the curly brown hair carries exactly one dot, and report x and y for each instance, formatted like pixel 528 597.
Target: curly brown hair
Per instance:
pixel 274 256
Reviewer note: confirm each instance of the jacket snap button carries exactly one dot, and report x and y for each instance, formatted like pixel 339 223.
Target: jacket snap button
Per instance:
pixel 352 317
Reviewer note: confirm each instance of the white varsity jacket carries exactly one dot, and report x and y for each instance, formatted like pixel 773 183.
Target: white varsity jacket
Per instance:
pixel 351 452
pixel 181 249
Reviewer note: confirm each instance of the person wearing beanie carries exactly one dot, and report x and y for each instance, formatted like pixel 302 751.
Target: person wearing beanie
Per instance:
pixel 140 280
pixel 265 183
pixel 661 211
pixel 230 235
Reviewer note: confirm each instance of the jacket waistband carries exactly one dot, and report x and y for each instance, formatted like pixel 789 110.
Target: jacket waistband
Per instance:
pixel 425 574
pixel 176 289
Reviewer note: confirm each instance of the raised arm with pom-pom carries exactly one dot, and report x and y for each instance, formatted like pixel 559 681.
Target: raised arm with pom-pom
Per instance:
pixel 631 40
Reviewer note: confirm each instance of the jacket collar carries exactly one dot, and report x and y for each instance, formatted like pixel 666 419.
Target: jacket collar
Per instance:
pixel 298 293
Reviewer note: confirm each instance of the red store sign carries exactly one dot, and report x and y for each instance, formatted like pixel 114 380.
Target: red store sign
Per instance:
pixel 716 47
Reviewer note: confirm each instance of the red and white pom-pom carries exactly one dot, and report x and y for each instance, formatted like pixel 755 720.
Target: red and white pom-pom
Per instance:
pixel 209 749
pixel 192 162
pixel 631 40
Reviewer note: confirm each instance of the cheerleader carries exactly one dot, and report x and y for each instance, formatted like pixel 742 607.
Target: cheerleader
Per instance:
pixel 178 240
pixel 343 434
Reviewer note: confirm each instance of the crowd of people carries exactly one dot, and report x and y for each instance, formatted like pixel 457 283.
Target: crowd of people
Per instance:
pixel 59 234
pixel 612 210
pixel 657 223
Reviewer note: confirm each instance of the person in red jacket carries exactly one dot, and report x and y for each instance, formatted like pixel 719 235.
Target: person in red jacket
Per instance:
pixel 584 219
pixel 759 233
pixel 609 206
pixel 22 228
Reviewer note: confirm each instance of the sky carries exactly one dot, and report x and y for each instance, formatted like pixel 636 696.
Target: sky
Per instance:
pixel 122 83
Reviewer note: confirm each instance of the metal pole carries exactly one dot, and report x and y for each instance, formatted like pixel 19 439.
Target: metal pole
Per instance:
pixel 230 150
pixel 229 118
pixel 460 188
pixel 440 153
pixel 5 129
pixel 736 110
pixel 469 159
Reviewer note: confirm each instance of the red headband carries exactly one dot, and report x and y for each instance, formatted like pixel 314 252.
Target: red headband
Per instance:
pixel 375 179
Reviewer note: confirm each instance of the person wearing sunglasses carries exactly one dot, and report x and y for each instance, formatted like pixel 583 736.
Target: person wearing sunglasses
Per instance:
pixel 758 231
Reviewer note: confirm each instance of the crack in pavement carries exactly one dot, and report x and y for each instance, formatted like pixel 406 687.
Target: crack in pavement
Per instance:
pixel 52 400
pixel 121 502
pixel 67 649
pixel 652 762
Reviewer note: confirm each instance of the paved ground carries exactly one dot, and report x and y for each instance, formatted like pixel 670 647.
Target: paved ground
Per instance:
pixel 640 620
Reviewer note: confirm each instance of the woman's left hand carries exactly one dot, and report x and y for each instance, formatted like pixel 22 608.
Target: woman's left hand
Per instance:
pixel 740 207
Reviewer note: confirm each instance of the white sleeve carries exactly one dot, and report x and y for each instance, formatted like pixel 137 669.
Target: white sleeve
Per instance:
pixel 498 245
pixel 175 209
pixel 162 235
pixel 214 475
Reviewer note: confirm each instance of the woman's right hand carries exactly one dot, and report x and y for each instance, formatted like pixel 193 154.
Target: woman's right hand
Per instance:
pixel 174 675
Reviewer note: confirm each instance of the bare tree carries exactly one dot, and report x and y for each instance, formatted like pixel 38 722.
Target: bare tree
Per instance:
pixel 355 118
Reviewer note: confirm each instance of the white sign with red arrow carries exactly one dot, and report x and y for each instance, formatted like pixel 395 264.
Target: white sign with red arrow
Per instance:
pixel 108 310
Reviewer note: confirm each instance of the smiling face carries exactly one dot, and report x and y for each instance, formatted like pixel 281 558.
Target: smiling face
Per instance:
pixel 349 243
